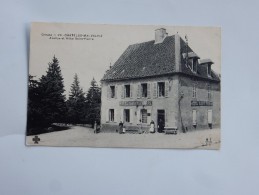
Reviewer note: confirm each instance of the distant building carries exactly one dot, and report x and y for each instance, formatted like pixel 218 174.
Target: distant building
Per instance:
pixel 153 81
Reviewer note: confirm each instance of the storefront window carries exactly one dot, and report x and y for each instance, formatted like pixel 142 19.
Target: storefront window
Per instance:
pixel 127 115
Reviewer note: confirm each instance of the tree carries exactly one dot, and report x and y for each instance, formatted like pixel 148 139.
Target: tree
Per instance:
pixel 34 110
pixel 93 99
pixel 76 103
pixel 51 91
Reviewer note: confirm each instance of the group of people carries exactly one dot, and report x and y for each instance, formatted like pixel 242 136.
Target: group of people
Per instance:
pixel 152 128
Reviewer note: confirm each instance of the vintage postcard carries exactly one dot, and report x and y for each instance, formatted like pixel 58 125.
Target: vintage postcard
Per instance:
pixel 134 86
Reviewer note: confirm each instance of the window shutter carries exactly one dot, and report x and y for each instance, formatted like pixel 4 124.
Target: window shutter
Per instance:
pixel 138 116
pixel 166 118
pixel 122 115
pixel 107 115
pixel 131 115
pixel 108 91
pixel 148 117
pixel 148 91
pixel 155 90
pixel 139 90
pixel 122 91
pixel 116 91
pixel 194 117
pixel 166 89
pixel 131 91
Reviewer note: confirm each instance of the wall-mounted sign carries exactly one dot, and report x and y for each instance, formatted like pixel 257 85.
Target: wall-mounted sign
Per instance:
pixel 136 103
pixel 201 103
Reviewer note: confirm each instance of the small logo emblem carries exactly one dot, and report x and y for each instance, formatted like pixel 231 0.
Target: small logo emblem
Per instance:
pixel 36 139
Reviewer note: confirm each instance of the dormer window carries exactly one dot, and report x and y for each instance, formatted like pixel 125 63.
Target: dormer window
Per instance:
pixel 192 61
pixel 209 70
pixel 194 65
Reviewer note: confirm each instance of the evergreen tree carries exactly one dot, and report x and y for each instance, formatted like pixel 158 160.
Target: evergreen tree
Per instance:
pixel 34 110
pixel 93 103
pixel 51 89
pixel 76 103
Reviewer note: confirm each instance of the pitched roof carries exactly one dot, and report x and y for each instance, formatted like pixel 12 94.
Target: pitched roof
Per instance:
pixel 148 59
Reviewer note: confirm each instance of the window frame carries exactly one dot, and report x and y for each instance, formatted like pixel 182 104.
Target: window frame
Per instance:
pixel 194 90
pixel 127 118
pixel 127 89
pixel 111 115
pixel 158 89
pixel 142 90
pixel 112 91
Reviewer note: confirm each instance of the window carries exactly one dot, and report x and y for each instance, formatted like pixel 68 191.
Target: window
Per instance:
pixel 127 115
pixel 194 66
pixel 144 115
pixel 209 92
pixel 144 89
pixel 161 89
pixel 194 117
pixel 194 94
pixel 209 70
pixel 127 91
pixel 112 90
pixel 111 115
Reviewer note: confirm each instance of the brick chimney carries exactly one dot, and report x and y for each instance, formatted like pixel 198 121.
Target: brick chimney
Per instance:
pixel 160 35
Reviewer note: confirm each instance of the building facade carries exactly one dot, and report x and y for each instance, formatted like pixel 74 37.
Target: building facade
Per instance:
pixel 163 81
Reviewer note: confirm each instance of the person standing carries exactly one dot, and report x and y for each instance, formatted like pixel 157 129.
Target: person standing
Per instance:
pixel 120 127
pixel 152 127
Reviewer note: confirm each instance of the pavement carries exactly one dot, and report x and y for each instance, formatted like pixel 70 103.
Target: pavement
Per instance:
pixel 84 136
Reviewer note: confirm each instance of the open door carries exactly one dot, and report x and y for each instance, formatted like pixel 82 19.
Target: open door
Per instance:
pixel 160 120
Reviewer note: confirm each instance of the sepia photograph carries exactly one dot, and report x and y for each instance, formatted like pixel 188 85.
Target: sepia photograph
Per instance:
pixel 124 86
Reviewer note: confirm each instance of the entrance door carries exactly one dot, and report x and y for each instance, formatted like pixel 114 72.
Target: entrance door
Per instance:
pixel 161 120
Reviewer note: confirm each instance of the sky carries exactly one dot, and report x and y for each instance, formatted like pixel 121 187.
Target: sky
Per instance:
pixel 91 58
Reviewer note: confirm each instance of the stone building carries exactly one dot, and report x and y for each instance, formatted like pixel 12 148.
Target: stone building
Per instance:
pixel 162 80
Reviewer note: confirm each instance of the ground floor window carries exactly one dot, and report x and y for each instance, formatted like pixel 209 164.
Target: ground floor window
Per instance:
pixel 111 115
pixel 144 115
pixel 127 115
pixel 209 116
pixel 194 117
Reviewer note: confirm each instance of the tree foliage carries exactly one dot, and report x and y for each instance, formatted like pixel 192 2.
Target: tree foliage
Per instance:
pixel 76 103
pixel 93 103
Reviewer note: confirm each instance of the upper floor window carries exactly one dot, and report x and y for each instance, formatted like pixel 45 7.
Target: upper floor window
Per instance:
pixel 161 89
pixel 209 91
pixel 144 89
pixel 112 90
pixel 194 93
pixel 127 91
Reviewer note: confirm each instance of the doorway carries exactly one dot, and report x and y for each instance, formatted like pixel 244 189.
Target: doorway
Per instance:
pixel 160 120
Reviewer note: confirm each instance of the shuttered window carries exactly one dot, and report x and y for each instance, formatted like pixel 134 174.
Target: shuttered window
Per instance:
pixel 144 89
pixel 148 91
pixel 155 90
pixel 144 115
pixel 194 94
pixel 209 92
pixel 122 92
pixel 111 115
pixel 161 89
pixel 127 91
pixel 194 117
pixel 112 91
pixel 127 115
